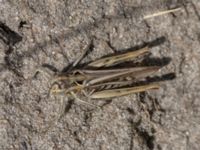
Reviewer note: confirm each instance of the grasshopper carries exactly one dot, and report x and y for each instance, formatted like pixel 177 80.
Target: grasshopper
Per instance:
pixel 101 82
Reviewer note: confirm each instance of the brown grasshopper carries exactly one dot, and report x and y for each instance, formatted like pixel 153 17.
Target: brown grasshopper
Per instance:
pixel 101 82
pixel 97 80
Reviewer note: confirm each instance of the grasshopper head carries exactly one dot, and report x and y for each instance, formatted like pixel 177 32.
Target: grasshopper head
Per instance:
pixel 59 86
pixel 65 84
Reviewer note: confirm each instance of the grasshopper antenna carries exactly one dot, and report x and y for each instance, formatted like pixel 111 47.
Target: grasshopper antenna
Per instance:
pixel 85 51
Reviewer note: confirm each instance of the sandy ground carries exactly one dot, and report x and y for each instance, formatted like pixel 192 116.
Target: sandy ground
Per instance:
pixel 34 33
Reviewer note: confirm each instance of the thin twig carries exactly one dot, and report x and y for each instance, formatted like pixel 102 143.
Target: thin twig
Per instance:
pixel 161 13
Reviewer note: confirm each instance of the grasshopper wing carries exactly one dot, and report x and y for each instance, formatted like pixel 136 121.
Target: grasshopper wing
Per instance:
pixel 113 60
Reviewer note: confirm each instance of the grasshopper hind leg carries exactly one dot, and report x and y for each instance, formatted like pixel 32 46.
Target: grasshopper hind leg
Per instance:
pixel 82 101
